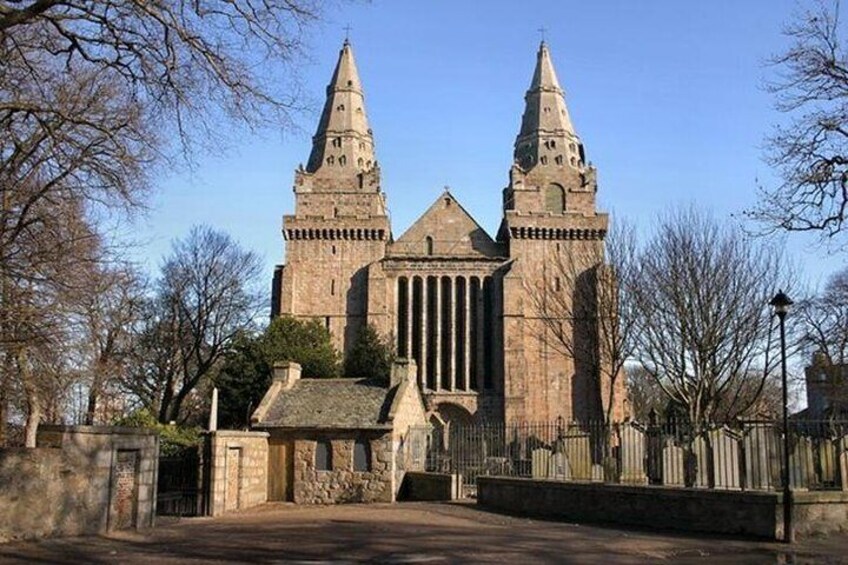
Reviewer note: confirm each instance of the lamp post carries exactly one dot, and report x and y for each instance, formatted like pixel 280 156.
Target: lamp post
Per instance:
pixel 780 304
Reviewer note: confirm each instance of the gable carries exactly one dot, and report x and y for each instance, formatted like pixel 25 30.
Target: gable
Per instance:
pixel 446 229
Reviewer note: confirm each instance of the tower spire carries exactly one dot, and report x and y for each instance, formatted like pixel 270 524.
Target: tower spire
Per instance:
pixel 343 142
pixel 547 136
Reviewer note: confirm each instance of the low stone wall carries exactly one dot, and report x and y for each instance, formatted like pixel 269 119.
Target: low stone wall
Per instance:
pixel 430 486
pixel 822 512
pixel 758 514
pixel 238 475
pixel 80 480
pixel 739 513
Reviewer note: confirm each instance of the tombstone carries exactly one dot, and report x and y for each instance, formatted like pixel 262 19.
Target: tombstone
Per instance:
pixel 579 454
pixel 701 458
pixel 632 455
pixel 800 463
pixel 761 451
pixel 725 459
pixel 540 463
pixel 827 462
pixel 597 473
pixel 559 467
pixel 842 458
pixel 672 465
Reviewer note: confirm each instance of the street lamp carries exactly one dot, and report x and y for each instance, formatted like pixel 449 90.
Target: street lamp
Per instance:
pixel 780 304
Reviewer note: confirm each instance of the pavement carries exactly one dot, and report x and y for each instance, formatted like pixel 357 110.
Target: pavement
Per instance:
pixel 406 533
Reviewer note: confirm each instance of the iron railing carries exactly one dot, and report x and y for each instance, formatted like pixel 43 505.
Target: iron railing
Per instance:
pixel 739 455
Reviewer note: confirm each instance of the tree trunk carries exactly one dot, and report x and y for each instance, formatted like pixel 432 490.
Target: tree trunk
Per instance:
pixel 33 402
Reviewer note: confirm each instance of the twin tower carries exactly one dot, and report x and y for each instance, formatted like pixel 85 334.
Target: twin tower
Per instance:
pixel 483 318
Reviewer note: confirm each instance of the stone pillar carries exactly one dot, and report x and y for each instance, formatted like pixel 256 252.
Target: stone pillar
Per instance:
pixel 466 343
pixel 438 322
pixel 452 313
pixel 424 344
pixel 409 313
pixel 481 315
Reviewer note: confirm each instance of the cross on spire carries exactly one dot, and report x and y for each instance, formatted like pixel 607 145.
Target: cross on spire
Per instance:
pixel 542 30
pixel 347 29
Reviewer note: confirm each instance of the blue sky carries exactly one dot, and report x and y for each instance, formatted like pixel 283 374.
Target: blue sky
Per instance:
pixel 667 96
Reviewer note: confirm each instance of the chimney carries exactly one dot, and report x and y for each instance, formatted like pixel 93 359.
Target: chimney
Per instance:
pixel 287 373
pixel 403 369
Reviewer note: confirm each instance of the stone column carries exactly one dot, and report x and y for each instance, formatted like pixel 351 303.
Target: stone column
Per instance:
pixel 481 316
pixel 452 322
pixel 438 309
pixel 424 345
pixel 409 313
pixel 466 343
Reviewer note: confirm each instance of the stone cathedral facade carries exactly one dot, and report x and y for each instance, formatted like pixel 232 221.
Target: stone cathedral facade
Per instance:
pixel 464 305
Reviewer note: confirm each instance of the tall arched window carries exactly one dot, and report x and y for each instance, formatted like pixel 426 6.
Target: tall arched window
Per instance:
pixel 323 455
pixel 555 199
pixel 429 245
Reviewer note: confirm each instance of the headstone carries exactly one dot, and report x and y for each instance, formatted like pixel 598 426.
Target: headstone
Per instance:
pixel 540 463
pixel 842 458
pixel 725 459
pixel 701 459
pixel 597 473
pixel 800 463
pixel 559 467
pixel 761 451
pixel 827 462
pixel 673 469
pixel 579 453
pixel 632 455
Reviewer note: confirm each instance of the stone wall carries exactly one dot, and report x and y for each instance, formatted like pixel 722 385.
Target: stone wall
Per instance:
pixel 755 514
pixel 342 483
pixel 239 470
pixel 430 486
pixel 79 480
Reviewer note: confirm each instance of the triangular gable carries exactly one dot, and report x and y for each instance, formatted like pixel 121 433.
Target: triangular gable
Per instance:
pixel 446 229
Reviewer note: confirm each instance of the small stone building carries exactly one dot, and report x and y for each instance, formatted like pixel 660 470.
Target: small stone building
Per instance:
pixel 338 440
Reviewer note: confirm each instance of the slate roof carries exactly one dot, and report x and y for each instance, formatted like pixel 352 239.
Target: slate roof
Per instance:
pixel 331 403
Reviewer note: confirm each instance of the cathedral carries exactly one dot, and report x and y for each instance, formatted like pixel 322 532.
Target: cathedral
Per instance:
pixel 464 305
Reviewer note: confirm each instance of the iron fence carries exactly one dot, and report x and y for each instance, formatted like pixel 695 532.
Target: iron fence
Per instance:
pixel 739 455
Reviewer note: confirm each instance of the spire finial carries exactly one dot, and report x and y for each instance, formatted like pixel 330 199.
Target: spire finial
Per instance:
pixel 347 29
pixel 542 30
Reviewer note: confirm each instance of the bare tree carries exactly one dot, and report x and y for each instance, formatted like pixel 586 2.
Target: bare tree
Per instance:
pixel 823 321
pixel 207 295
pixel 810 153
pixel 586 310
pixel 704 323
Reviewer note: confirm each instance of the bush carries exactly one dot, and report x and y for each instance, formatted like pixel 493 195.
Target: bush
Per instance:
pixel 173 439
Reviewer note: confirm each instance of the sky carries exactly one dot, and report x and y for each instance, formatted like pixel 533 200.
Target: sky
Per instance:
pixel 667 96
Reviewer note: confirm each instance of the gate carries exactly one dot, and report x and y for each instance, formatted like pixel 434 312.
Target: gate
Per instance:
pixel 179 492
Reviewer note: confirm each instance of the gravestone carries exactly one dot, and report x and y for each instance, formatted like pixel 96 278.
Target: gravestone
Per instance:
pixel 800 463
pixel 701 458
pixel 761 451
pixel 559 467
pixel 597 473
pixel 540 463
pixel 579 453
pixel 827 462
pixel 725 459
pixel 632 455
pixel 673 469
pixel 842 458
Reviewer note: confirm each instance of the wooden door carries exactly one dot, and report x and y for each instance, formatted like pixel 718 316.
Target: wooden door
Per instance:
pixel 280 470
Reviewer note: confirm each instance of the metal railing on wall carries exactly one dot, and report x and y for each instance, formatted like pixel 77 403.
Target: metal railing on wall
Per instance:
pixel 739 455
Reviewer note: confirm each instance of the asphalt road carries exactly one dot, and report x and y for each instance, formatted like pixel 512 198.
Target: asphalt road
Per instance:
pixel 406 533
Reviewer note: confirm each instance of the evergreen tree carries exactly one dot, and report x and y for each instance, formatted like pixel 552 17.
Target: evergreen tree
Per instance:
pixel 370 357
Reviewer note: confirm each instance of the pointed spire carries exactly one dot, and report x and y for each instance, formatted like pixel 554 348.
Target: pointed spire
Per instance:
pixel 547 136
pixel 343 141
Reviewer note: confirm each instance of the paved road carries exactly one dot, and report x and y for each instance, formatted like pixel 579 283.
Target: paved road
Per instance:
pixel 406 533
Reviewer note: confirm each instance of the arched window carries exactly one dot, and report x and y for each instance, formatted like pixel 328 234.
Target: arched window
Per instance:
pixel 361 456
pixel 429 245
pixel 555 199
pixel 323 455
